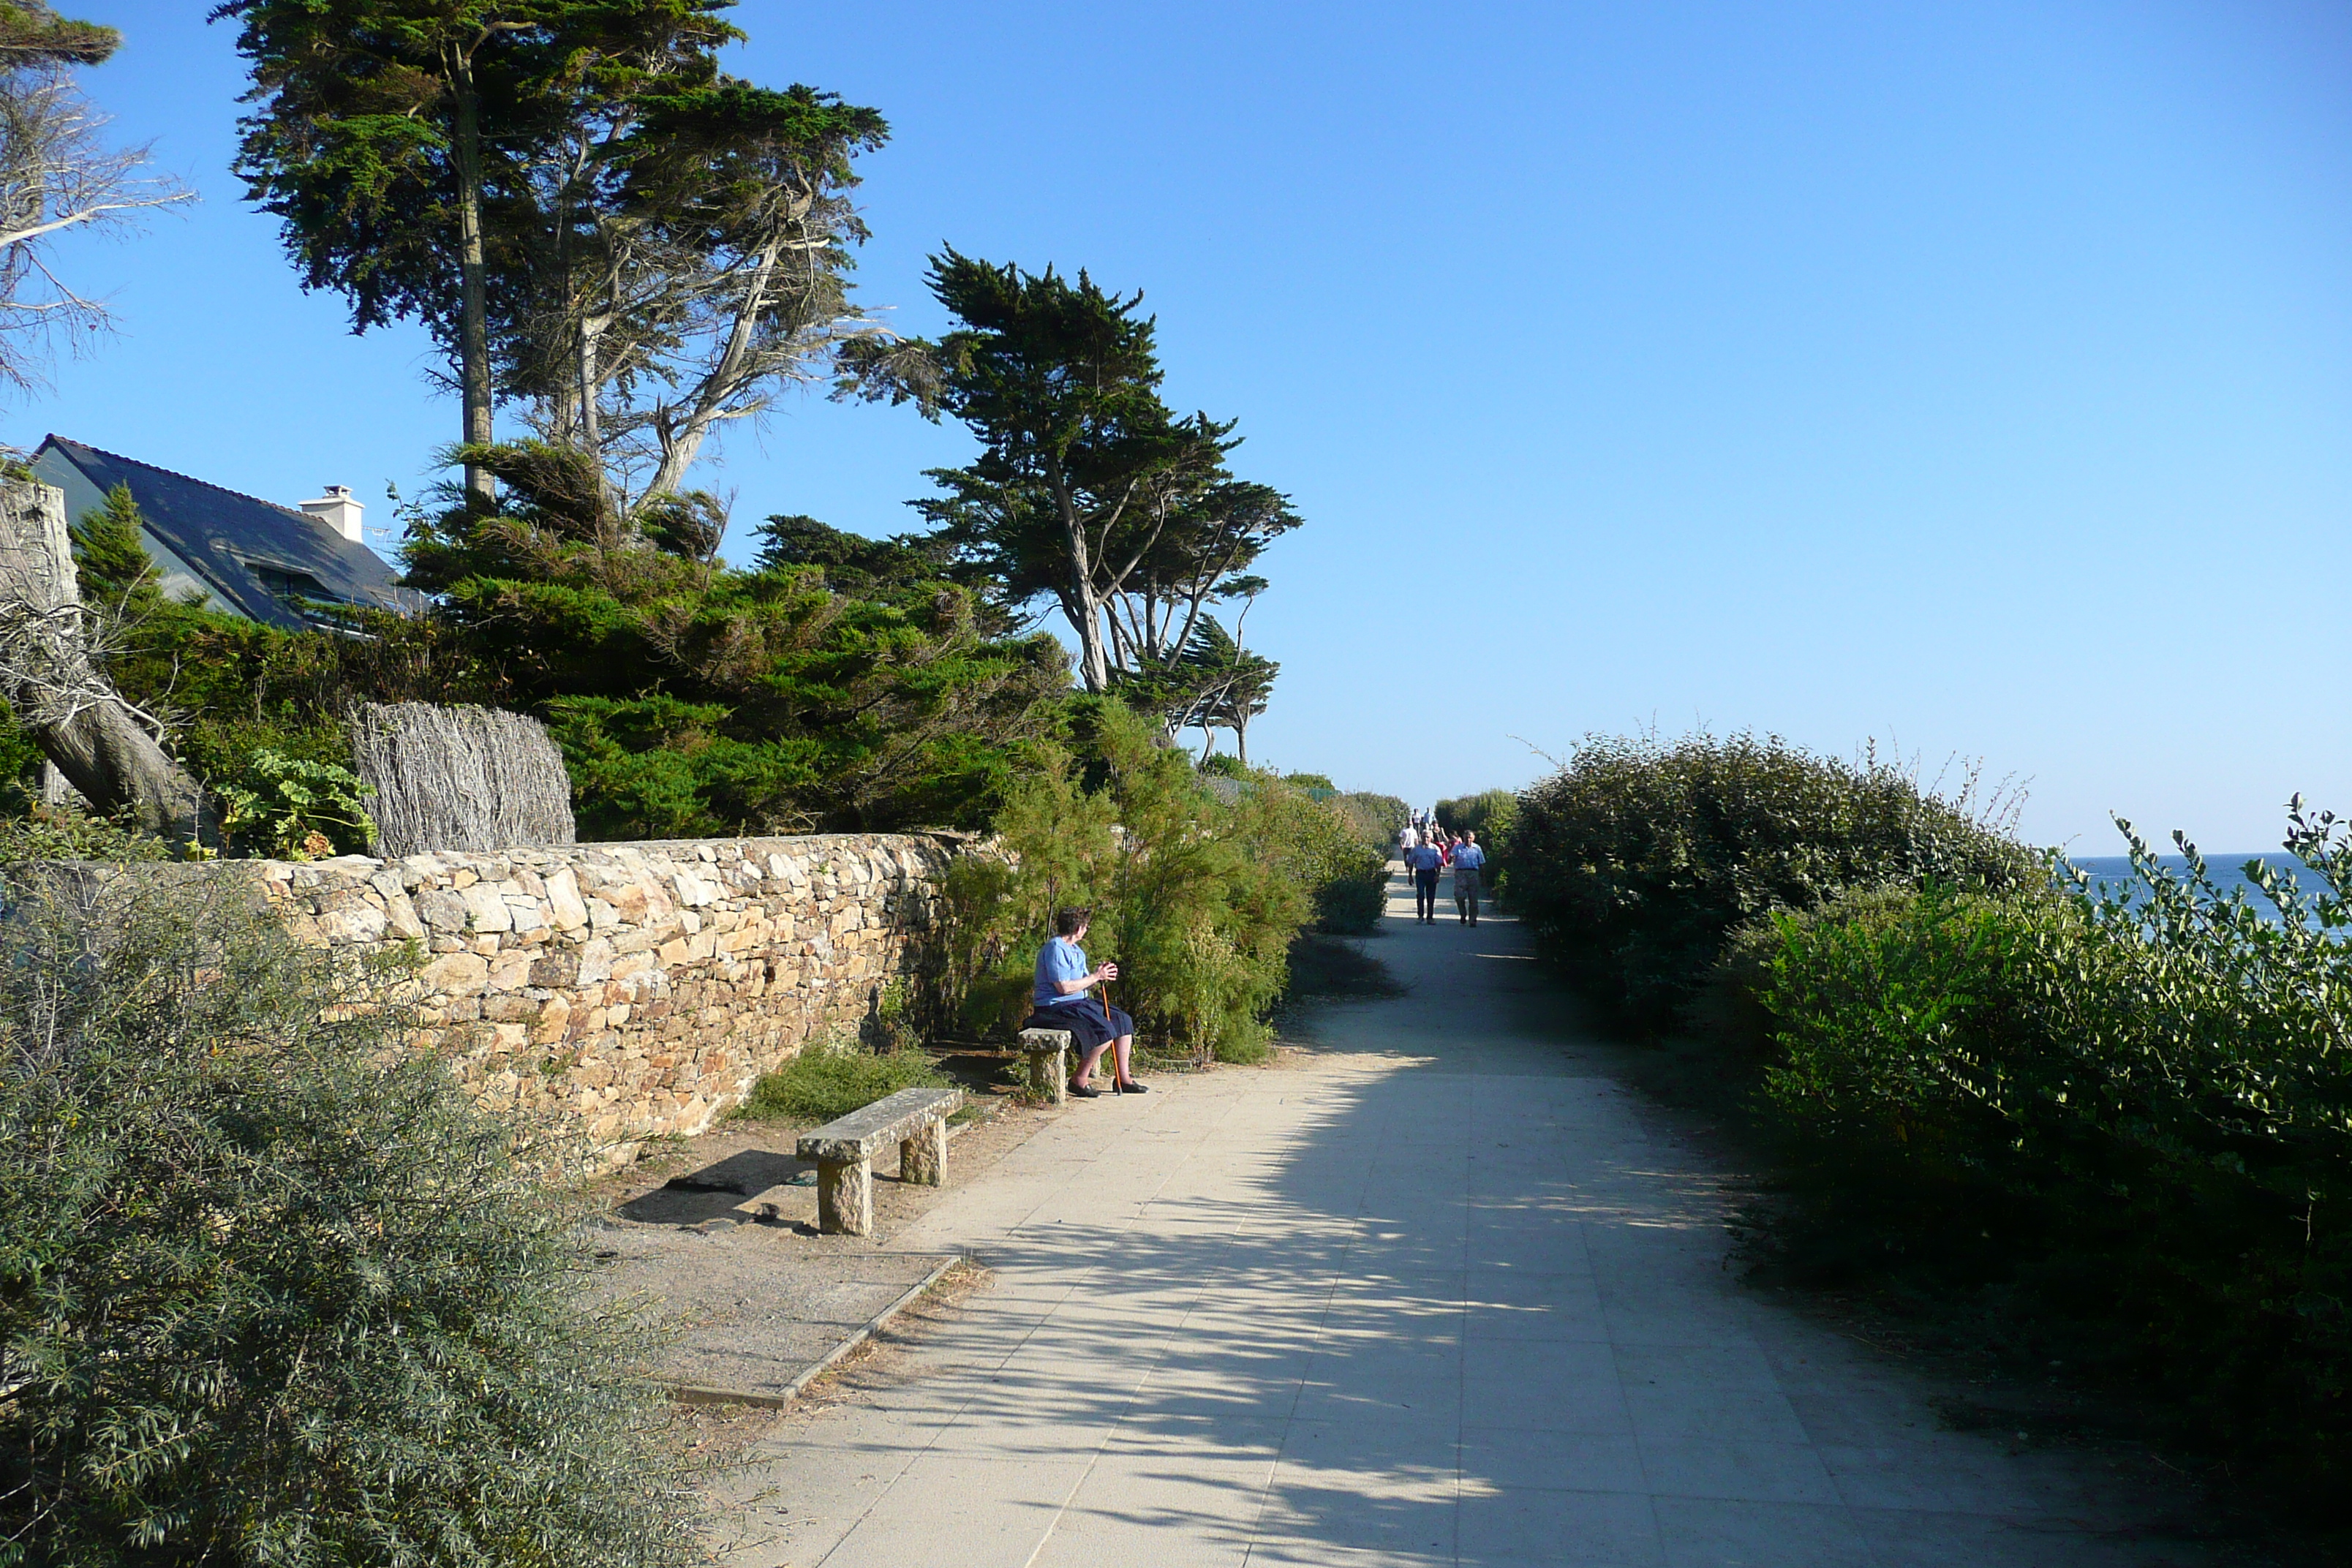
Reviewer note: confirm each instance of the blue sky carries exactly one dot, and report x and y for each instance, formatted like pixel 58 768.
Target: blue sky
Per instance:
pixel 1974 378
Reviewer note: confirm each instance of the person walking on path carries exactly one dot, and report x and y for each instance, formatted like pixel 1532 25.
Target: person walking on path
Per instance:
pixel 1423 861
pixel 1060 1002
pixel 1407 837
pixel 1468 861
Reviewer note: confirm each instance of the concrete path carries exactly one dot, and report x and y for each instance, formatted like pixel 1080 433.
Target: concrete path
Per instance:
pixel 1444 1293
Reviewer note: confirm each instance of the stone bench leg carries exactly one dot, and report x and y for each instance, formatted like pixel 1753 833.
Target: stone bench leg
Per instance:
pixel 1049 1073
pixel 844 1197
pixel 923 1159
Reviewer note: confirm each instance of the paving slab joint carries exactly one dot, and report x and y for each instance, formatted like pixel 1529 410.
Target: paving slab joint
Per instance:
pixel 703 1393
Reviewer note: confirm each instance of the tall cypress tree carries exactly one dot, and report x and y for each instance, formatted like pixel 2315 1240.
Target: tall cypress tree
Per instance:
pixel 381 133
pixel 574 197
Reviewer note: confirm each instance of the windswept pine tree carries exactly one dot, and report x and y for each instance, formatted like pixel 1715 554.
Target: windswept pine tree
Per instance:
pixel 1089 492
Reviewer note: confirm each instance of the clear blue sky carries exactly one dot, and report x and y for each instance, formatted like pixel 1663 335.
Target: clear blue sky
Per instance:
pixel 1974 377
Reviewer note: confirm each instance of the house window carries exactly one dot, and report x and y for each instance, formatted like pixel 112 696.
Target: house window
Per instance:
pixel 289 588
pixel 305 595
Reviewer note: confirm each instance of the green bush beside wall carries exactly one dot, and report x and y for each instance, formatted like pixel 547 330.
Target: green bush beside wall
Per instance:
pixel 274 1289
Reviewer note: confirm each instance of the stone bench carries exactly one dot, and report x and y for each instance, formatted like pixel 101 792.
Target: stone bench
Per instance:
pixel 1045 1064
pixel 914 1118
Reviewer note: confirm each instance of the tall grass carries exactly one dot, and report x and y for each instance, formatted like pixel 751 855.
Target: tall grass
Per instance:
pixel 831 1078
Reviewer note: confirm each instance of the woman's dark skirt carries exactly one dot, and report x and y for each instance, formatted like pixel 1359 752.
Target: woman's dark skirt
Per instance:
pixel 1085 1020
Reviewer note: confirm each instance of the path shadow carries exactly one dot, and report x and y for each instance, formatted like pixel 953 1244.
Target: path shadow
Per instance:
pixel 1466 1302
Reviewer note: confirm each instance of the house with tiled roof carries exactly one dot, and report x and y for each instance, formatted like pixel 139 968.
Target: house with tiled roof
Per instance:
pixel 285 565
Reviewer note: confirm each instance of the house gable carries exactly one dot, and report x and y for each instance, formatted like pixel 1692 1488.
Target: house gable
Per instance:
pixel 247 556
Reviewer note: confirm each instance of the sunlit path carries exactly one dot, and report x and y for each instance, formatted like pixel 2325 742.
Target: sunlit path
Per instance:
pixel 1442 1294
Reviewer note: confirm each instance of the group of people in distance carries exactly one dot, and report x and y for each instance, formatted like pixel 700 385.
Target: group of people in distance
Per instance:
pixel 1427 849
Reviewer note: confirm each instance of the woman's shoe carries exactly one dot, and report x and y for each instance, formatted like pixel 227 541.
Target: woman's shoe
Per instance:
pixel 1080 1091
pixel 1130 1087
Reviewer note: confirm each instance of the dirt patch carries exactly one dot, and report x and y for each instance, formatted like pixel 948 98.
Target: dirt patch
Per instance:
pixel 747 1174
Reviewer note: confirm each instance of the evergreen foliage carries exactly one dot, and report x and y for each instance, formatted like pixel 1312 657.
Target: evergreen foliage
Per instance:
pixel 573 196
pixel 1089 492
pixel 32 34
pixel 273 1289
pixel 692 699
pixel 1637 860
pixel 110 564
pixel 840 683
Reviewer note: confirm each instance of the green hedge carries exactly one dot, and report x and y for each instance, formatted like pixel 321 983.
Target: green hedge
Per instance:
pixel 2132 1121
pixel 1636 861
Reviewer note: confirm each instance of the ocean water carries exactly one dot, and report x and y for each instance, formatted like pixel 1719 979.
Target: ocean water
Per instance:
pixel 2227 871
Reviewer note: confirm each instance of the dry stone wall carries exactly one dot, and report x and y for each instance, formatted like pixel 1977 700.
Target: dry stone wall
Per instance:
pixel 640 987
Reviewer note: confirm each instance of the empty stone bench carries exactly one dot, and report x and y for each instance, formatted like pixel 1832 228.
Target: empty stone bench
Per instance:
pixel 1045 1064
pixel 914 1118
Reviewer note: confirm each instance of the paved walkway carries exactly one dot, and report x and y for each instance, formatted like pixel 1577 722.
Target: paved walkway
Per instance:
pixel 1443 1294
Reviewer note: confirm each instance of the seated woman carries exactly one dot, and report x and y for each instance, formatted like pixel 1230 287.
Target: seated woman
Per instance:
pixel 1061 1002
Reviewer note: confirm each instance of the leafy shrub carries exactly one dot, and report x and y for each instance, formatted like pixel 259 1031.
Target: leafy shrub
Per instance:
pixel 1196 899
pixel 272 1288
pixel 1224 765
pixel 832 1078
pixel 1489 815
pixel 1307 843
pixel 64 833
pixel 2134 1118
pixel 297 810
pixel 1635 861
pixel 1375 819
pixel 1485 814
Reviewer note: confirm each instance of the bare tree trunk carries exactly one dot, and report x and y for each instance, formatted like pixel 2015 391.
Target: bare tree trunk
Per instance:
pixel 682 436
pixel 101 744
pixel 473 289
pixel 1080 603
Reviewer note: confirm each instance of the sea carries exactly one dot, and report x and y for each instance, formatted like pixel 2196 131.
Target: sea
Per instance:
pixel 2227 871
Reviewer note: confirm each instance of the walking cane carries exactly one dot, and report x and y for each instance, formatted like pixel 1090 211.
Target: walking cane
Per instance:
pixel 1117 1084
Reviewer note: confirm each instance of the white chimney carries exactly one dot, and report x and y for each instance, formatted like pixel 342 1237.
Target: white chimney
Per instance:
pixel 337 511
